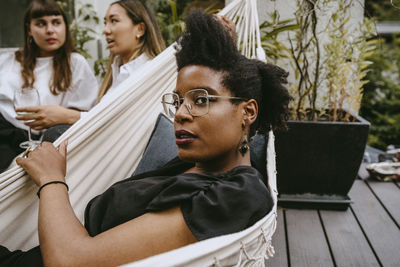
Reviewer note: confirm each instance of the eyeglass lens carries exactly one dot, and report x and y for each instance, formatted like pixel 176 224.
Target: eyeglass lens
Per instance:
pixel 196 101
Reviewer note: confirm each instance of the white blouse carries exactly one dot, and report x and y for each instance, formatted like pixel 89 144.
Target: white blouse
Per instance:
pixel 122 72
pixel 81 95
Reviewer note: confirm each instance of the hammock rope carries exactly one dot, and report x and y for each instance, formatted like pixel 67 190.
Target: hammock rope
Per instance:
pixel 106 146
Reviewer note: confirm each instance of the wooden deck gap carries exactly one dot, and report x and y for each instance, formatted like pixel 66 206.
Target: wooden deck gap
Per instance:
pixel 397 183
pixel 327 239
pixel 384 207
pixel 366 237
pixel 286 238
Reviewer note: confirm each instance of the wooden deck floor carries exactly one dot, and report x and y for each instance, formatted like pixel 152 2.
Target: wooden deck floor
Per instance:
pixel 366 234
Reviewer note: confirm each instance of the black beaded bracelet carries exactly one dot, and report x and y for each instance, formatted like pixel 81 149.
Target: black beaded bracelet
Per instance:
pixel 52 182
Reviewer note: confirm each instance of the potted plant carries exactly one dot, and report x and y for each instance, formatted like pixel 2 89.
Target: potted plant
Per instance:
pixel 318 157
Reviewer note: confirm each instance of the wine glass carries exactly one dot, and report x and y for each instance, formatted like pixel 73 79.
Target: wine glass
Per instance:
pixel 27 97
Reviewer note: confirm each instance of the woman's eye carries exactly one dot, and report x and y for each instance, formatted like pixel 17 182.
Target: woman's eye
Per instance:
pixel 200 100
pixel 56 22
pixel 114 20
pixel 176 103
pixel 40 23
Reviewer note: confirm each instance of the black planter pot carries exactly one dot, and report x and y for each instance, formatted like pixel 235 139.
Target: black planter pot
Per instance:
pixel 317 162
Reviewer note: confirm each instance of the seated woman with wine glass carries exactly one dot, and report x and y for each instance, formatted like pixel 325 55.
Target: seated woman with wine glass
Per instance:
pixel 43 84
pixel 211 189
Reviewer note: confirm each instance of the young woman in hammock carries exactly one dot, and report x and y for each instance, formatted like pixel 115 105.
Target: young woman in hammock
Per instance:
pixel 47 63
pixel 221 99
pixel 133 38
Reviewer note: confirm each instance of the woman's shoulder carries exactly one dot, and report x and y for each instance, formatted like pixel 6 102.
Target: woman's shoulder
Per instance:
pixel 77 58
pixel 8 62
pixel 7 56
pixel 242 180
pixel 232 202
pixel 80 65
pixel 242 175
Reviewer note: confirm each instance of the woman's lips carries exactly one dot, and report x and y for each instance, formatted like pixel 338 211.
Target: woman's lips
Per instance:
pixel 51 41
pixel 110 42
pixel 184 137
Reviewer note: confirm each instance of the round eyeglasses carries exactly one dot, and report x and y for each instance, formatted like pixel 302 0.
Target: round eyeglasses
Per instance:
pixel 197 102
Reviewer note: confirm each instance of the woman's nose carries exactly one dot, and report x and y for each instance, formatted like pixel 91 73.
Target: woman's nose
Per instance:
pixel 183 113
pixel 106 29
pixel 50 28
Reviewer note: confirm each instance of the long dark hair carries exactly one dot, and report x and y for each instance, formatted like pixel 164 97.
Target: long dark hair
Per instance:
pixel 62 75
pixel 208 43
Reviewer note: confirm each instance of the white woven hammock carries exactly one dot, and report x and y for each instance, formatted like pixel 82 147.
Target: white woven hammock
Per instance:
pixel 106 146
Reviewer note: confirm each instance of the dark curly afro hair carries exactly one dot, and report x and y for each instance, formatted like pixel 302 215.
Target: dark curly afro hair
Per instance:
pixel 208 43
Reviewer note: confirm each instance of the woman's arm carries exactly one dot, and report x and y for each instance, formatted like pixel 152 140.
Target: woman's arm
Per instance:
pixel 47 116
pixel 65 241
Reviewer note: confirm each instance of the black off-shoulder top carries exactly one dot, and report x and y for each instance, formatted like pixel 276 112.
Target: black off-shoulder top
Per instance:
pixel 211 204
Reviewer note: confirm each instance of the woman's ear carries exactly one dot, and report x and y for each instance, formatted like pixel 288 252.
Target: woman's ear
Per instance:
pixel 141 29
pixel 250 111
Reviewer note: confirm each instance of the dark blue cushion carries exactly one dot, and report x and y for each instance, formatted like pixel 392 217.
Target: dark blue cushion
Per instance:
pixel 52 133
pixel 161 147
pixel 258 156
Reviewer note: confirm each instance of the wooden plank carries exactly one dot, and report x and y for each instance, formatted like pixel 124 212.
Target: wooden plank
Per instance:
pixel 379 228
pixel 348 243
pixel 279 243
pixel 307 242
pixel 389 195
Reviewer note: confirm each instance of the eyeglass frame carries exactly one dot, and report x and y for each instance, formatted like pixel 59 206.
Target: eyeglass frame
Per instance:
pixel 207 96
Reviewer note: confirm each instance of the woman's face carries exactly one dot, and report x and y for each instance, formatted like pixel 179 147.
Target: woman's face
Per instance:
pixel 215 136
pixel 49 33
pixel 121 34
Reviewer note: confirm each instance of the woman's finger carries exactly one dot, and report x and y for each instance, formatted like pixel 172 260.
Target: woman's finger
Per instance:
pixel 34 123
pixel 28 109
pixel 27 117
pixel 62 149
pixel 38 128
pixel 21 161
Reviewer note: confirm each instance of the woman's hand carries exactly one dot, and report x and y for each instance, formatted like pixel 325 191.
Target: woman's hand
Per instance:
pixel 46 163
pixel 228 24
pixel 47 116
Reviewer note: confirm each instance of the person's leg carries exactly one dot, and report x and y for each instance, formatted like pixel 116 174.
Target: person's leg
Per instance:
pixel 10 138
pixel 18 258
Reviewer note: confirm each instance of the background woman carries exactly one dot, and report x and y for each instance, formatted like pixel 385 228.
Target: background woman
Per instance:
pixel 221 98
pixel 65 83
pixel 133 38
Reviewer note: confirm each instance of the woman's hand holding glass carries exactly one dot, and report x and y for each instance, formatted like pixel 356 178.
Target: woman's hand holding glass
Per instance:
pixel 43 117
pixel 26 97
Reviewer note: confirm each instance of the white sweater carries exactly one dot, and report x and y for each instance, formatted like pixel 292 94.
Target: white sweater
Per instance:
pixel 81 95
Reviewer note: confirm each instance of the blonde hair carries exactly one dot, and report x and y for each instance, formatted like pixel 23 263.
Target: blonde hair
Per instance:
pixel 151 42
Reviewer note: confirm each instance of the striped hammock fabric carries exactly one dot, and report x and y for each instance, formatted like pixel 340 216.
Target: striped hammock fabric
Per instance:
pixel 106 145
